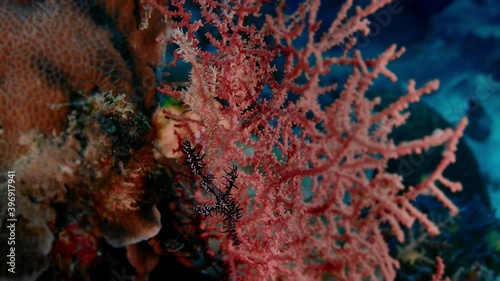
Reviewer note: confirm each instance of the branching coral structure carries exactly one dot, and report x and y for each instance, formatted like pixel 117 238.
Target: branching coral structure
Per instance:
pixel 272 90
pixel 314 189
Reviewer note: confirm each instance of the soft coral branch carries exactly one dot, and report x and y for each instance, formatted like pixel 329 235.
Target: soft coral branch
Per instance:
pixel 285 147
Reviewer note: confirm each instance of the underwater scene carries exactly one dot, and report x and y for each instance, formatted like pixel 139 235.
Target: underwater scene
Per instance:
pixel 289 140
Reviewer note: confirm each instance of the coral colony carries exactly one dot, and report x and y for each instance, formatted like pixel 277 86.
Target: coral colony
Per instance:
pixel 100 165
pixel 286 145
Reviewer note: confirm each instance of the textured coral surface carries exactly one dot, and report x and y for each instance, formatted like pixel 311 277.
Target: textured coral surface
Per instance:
pixel 51 50
pixel 75 76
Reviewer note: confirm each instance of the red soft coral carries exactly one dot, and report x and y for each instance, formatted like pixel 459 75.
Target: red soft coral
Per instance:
pixel 337 152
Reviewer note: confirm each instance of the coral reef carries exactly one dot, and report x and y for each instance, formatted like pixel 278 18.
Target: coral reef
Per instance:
pixel 116 182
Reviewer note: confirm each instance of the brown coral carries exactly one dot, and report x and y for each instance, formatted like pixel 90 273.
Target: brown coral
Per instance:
pixel 51 50
pixel 58 57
